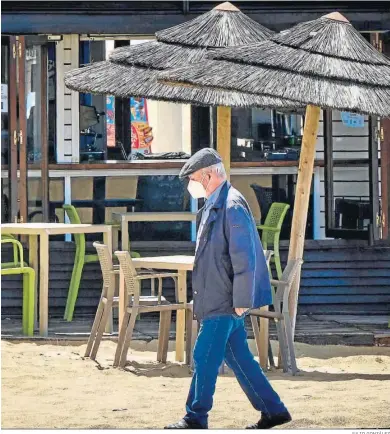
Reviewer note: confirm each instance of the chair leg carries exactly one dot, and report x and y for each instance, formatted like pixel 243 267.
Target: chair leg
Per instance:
pixel 278 265
pixel 290 343
pixel 76 260
pixel 153 287
pixel 25 304
pixel 256 333
pixel 175 280
pixel 128 336
pixel 95 325
pixel 74 287
pixel 31 302
pixel 121 338
pixel 282 344
pixel 191 333
pixel 194 335
pixel 102 325
pixel 270 355
pixel 115 238
pixel 163 337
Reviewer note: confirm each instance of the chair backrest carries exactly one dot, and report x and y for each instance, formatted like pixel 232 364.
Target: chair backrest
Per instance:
pixel 274 219
pixel 74 218
pixel 130 275
pixel 289 274
pixel 105 260
pixel 291 270
pixel 72 214
pixel 18 260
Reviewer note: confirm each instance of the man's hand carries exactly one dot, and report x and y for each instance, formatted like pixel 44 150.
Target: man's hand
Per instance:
pixel 240 310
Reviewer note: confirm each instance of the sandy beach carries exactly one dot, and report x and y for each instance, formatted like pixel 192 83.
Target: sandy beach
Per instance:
pixel 53 386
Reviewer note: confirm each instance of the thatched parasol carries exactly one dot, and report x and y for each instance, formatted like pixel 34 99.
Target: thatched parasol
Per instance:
pixel 123 81
pixel 323 63
pixel 133 70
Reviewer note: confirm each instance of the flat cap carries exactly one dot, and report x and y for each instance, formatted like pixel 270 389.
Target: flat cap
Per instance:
pixel 206 157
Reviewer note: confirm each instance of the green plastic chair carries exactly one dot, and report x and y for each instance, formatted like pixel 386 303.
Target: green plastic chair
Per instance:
pixel 81 258
pixel 271 232
pixel 28 283
pixel 16 261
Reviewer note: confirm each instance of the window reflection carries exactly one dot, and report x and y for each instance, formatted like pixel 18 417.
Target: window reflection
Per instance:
pixel 33 102
pixel 129 128
pixel 264 134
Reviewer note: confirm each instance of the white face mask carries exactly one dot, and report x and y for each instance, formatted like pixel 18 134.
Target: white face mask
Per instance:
pixel 196 189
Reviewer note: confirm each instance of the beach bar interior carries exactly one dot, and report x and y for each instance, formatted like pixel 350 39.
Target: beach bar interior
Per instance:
pixel 106 154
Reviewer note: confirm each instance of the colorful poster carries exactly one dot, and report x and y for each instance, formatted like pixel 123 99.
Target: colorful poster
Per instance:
pixel 352 120
pixel 110 120
pixel 141 132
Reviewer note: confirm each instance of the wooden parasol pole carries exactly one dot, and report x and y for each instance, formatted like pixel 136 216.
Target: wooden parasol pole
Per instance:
pixel 302 196
pixel 224 136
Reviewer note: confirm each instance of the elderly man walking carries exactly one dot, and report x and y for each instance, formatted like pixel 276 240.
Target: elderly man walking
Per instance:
pixel 230 277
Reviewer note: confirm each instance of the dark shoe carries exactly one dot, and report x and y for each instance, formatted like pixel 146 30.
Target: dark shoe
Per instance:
pixel 267 422
pixel 184 424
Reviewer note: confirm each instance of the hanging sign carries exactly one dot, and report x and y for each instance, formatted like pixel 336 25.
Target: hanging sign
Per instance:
pixel 141 132
pixel 352 120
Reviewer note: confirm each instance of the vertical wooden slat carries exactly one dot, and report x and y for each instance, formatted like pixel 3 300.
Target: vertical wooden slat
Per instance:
pixel 13 133
pixel 385 178
pixel 224 136
pixel 23 194
pixel 44 136
pixel 385 165
pixel 374 163
pixel 373 177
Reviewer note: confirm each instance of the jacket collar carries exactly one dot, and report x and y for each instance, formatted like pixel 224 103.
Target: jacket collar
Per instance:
pixel 222 196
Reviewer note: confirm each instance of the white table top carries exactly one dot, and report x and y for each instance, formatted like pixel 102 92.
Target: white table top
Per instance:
pixel 181 262
pixel 51 228
pixel 154 216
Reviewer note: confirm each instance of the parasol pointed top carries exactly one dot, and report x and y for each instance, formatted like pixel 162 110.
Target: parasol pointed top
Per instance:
pixel 223 26
pixel 336 16
pixel 227 6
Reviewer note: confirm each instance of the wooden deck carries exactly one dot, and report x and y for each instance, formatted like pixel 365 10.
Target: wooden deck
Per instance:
pixel 311 329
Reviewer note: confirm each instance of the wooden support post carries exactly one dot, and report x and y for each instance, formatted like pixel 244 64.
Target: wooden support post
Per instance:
pixel 13 132
pixel 23 184
pixel 385 166
pixel 44 136
pixel 224 136
pixel 385 177
pixel 302 196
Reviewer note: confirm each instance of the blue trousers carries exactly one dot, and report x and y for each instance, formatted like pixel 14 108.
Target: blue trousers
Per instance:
pixel 224 338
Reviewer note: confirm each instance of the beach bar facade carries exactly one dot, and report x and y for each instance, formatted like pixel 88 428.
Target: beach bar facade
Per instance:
pixel 106 154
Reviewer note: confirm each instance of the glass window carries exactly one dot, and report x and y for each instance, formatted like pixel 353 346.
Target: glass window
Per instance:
pixel 33 102
pixel 52 95
pixel 264 134
pixel 4 102
pixel 134 128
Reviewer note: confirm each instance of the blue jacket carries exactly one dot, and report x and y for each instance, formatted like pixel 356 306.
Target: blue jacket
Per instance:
pixel 230 269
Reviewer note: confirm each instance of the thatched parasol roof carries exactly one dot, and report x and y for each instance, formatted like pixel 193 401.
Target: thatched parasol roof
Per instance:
pixel 325 62
pixel 102 78
pixel 133 70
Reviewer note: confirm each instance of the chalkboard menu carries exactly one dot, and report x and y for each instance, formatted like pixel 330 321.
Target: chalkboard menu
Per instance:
pixel 161 193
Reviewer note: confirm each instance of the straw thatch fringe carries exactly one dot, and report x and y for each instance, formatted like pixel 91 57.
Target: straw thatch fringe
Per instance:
pixel 125 81
pixel 217 28
pixel 332 38
pixel 157 55
pixel 269 53
pixel 331 94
